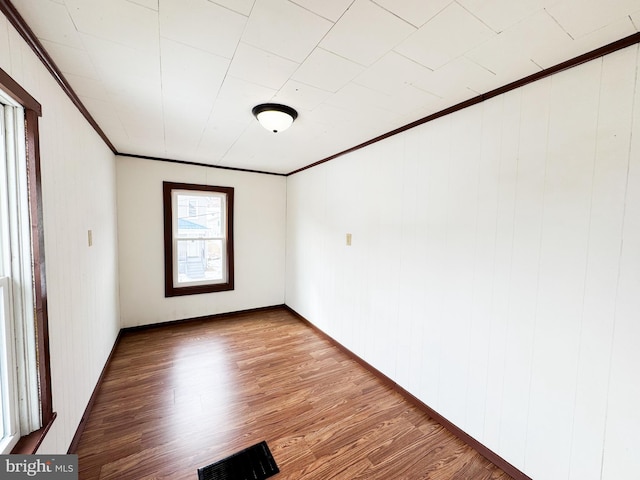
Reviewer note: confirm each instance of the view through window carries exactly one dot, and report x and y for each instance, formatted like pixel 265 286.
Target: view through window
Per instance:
pixel 198 238
pixel 19 390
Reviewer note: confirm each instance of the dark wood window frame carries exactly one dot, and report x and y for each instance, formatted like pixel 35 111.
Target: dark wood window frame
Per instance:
pixel 170 289
pixel 32 109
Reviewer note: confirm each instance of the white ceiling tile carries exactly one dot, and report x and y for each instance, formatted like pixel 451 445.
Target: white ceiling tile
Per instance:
pixel 357 98
pixel 141 120
pixel 411 115
pixel 392 72
pixel 261 67
pixel 364 109
pixel 123 69
pixel 106 115
pixel 301 96
pixel 329 9
pixel 416 12
pixel 241 6
pixel 509 54
pixel 202 24
pixel 327 71
pixel 501 14
pixel 580 17
pixel 220 134
pixel 237 97
pixel 409 98
pixel 285 29
pixel 255 146
pixel 191 77
pixel 635 18
pixel 71 60
pixel 366 32
pixel 548 56
pixel 331 115
pixel 151 4
pixel 118 21
pixel 250 153
pixel 51 20
pixel 188 102
pixel 448 35
pixel 140 130
pixel 87 87
pixel 458 76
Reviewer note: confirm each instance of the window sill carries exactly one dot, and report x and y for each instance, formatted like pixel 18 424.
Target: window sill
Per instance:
pixel 28 445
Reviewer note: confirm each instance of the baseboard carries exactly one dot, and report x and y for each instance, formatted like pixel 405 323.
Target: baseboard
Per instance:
pixel 216 316
pixel 454 429
pixel 73 447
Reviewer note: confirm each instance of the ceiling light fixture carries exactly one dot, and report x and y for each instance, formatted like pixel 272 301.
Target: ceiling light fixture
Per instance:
pixel 274 117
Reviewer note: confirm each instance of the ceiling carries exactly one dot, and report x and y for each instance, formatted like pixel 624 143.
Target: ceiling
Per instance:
pixel 177 79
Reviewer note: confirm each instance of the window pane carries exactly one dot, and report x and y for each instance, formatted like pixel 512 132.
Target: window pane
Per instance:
pixel 200 260
pixel 200 215
pixel 4 358
pixel 198 232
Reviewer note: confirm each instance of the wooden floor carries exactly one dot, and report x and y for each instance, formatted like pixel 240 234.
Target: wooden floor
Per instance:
pixel 180 397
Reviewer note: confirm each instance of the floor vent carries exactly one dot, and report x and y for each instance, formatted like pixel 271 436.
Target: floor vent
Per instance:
pixel 253 463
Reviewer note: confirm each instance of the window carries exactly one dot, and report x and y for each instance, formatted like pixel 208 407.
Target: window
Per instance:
pixel 26 412
pixel 198 238
pixel 25 379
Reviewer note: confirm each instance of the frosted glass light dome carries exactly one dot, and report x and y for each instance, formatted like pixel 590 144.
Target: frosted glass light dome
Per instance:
pixel 274 117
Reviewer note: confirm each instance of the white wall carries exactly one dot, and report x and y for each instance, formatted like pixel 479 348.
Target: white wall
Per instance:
pixel 259 241
pixel 495 267
pixel 78 188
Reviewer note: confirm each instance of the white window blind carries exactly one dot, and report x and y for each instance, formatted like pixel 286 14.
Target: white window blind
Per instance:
pixel 20 389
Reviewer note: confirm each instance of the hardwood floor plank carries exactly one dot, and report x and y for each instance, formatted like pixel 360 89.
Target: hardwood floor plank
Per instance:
pixel 179 397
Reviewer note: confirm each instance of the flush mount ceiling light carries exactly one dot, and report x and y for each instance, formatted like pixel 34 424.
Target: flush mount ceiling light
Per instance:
pixel 274 117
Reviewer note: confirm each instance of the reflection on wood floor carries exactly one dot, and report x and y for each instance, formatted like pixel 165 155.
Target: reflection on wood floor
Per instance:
pixel 182 396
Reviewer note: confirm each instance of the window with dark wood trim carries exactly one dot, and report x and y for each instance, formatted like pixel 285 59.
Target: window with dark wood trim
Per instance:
pixel 29 443
pixel 198 238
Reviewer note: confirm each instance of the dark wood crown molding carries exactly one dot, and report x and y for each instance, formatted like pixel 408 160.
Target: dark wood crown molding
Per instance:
pixel 7 8
pixel 198 164
pixel 574 62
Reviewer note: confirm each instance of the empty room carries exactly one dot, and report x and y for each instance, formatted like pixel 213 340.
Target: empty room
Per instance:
pixel 313 239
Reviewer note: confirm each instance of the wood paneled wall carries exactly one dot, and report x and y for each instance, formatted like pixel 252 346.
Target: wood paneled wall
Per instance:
pixel 493 271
